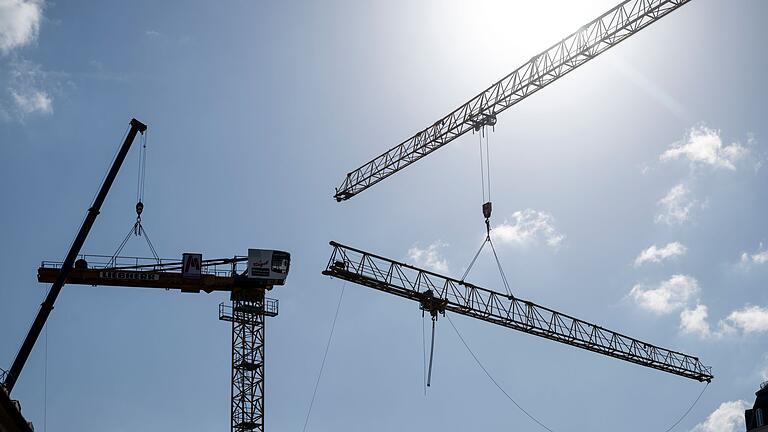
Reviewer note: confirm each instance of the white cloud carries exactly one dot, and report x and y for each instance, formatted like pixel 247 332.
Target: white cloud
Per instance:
pixel 759 257
pixel 33 101
pixel 669 296
pixel 430 257
pixel 676 206
pixel 728 417
pixel 703 146
pixel 694 321
pixel 528 227
pixel 19 23
pixel 29 90
pixel 751 319
pixel 656 254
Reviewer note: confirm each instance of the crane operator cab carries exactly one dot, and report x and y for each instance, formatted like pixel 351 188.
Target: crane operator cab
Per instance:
pixel 268 266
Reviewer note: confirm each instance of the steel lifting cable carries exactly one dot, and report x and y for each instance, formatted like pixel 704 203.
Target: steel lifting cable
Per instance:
pixel 529 415
pixel 487 161
pixel 325 356
pixel 493 380
pixel 138 229
pixel 482 169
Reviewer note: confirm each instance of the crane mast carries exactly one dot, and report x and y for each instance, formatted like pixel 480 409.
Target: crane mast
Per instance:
pixel 438 294
pixel 588 42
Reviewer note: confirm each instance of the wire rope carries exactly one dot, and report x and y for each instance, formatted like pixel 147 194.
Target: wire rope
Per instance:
pixel 325 356
pixel 488 162
pixel 472 263
pixel 482 169
pixel 688 410
pixel 493 380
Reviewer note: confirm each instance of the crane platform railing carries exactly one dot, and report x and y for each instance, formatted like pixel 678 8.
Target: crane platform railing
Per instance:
pixel 438 294
pixel 222 267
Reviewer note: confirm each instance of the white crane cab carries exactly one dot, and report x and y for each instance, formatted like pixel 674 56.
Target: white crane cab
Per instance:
pixel 270 266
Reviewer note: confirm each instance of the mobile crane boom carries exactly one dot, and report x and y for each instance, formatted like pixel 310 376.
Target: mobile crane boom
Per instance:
pixel 47 306
pixel 588 42
pixel 438 294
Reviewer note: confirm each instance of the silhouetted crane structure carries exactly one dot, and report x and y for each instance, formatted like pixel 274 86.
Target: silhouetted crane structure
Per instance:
pixel 246 278
pixel 437 294
pixel 588 42
pixel 247 312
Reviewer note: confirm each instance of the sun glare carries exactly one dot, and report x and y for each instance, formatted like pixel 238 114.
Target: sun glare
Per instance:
pixel 512 30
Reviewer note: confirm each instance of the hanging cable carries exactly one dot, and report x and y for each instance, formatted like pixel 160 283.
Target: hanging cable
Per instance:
pixel 325 356
pixel 138 229
pixel 689 409
pixel 482 169
pixel 488 162
pixel 472 263
pixel 45 385
pixel 501 269
pixel 493 380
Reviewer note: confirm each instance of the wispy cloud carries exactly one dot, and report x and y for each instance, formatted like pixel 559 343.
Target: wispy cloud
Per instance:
pixel 668 296
pixel 429 257
pixel 657 254
pixel 728 417
pixel 152 33
pixel 19 23
pixel 27 87
pixel 703 146
pixel 29 90
pixel 759 257
pixel 33 101
pixel 528 227
pixel 676 206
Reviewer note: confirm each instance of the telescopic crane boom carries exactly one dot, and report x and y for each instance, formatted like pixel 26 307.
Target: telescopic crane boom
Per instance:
pixel 438 294
pixel 47 306
pixel 588 42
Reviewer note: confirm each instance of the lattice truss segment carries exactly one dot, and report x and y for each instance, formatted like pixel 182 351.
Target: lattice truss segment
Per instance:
pixel 248 328
pixel 588 42
pixel 439 292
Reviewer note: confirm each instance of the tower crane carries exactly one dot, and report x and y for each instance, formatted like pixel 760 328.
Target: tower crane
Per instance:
pixel 246 278
pixel 438 294
pixel 263 269
pixel 589 41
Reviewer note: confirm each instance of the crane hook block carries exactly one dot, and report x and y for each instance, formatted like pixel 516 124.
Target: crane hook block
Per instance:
pixel 139 208
pixel 487 207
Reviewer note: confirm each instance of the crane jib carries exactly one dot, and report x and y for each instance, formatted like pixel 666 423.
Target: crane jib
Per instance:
pixel 586 43
pixel 438 294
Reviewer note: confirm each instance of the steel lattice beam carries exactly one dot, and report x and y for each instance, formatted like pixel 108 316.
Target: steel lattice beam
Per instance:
pixel 437 294
pixel 248 322
pixel 588 42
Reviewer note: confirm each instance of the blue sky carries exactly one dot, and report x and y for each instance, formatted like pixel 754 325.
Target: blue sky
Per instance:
pixel 630 193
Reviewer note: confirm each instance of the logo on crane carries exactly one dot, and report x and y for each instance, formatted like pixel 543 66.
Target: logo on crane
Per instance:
pixel 191 265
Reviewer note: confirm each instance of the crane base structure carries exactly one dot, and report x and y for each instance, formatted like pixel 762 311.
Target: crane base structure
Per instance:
pixel 247 311
pixel 247 315
pixel 437 294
